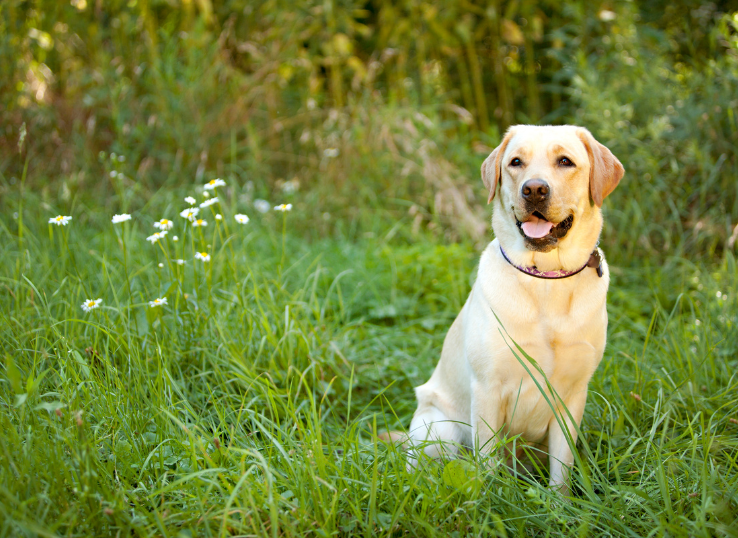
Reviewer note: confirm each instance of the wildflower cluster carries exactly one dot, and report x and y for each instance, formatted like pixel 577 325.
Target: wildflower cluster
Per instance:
pixel 203 252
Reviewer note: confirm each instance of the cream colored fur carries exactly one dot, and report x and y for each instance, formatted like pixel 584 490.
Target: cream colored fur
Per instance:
pixel 480 393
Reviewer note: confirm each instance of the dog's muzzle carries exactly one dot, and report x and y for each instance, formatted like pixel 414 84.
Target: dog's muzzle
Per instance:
pixel 542 235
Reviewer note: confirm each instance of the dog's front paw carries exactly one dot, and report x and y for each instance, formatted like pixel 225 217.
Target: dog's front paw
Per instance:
pixel 562 491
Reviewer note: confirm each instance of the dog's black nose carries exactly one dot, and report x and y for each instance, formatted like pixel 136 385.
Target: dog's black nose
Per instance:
pixel 535 191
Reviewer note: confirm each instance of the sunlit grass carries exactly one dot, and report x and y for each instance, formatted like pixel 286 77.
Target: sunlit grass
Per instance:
pixel 240 392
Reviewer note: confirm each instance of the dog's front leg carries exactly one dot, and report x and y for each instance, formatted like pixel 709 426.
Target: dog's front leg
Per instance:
pixel 487 417
pixel 561 457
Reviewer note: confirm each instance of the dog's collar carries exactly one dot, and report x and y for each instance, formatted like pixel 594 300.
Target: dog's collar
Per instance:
pixel 595 260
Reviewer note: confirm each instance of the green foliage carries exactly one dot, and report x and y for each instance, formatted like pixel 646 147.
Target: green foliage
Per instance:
pixel 676 134
pixel 333 91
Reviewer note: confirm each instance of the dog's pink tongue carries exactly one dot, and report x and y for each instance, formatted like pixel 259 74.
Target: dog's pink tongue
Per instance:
pixel 536 228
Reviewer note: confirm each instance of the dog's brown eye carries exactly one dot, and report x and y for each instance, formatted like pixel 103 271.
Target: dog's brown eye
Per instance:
pixel 565 161
pixel 516 162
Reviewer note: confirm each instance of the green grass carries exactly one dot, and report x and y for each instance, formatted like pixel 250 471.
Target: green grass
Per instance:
pixel 249 404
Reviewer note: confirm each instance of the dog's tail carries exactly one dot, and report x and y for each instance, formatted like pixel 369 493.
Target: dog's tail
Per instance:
pixel 395 438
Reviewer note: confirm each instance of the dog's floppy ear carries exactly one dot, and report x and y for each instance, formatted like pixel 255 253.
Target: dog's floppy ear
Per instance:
pixel 491 170
pixel 605 170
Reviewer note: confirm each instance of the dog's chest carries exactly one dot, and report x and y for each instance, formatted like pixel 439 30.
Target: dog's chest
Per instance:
pixel 554 314
pixel 561 326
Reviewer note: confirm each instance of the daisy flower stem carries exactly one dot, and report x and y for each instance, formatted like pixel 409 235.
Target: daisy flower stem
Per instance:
pixel 224 239
pixel 167 258
pixel 208 270
pixel 216 233
pixel 62 250
pixel 70 252
pixel 174 272
pixel 194 250
pixel 210 288
pixel 18 267
pixel 284 241
pixel 202 238
pixel 122 241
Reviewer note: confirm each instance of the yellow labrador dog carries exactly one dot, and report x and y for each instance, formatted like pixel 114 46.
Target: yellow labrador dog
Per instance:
pixel 542 283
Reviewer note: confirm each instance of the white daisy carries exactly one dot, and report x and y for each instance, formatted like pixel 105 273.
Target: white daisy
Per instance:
pixel 283 207
pixel 218 217
pixel 175 238
pixel 161 265
pixel 121 158
pixel 113 173
pixel 213 183
pixel 91 304
pixel 199 222
pixel 60 220
pixel 241 219
pixel 190 213
pixel 158 302
pixel 154 238
pixel 164 224
pixel 208 203
pixel 190 200
pixel 206 194
pixel 330 152
pixel 262 206
pixel 179 262
pixel 204 256
pixel 121 218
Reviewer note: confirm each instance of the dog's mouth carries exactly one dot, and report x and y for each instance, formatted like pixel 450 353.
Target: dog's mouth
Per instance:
pixel 537 227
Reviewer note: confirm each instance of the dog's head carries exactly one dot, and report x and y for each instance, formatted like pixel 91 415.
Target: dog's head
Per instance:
pixel 548 184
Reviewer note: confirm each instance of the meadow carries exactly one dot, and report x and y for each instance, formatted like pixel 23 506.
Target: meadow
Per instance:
pixel 233 377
